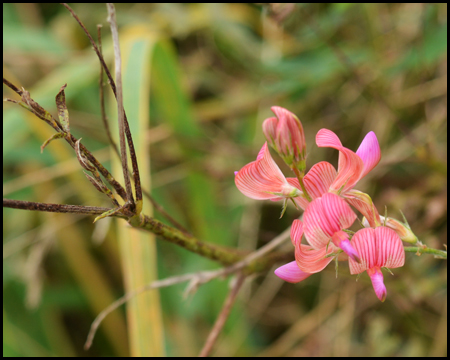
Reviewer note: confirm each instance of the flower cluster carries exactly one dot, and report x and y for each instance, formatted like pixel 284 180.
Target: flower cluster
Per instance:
pixel 325 195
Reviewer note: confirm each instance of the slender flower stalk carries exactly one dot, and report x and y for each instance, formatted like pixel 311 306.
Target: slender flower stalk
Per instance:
pixel 302 185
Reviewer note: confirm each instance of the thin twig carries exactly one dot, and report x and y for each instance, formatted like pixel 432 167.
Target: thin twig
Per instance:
pixel 120 112
pixel 249 263
pixel 102 95
pixel 203 276
pixel 137 180
pixel 221 319
pixel 12 87
pixel 164 213
pixel 157 206
pixel 196 279
pixel 44 115
pixel 57 208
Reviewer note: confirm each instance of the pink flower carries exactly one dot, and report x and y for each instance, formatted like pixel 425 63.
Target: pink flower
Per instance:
pixel 379 247
pixel 324 221
pixel 285 134
pixel 262 179
pixel 291 272
pixel 352 167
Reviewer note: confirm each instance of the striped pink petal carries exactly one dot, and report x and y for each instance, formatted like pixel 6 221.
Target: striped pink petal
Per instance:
pixel 313 260
pixel 350 165
pixel 269 127
pixel 319 179
pixel 369 152
pixel 263 179
pixel 379 247
pixel 317 182
pixel 291 273
pixel 325 216
pixel 296 232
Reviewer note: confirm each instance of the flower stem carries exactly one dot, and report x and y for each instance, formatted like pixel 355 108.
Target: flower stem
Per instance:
pixel 420 250
pixel 300 180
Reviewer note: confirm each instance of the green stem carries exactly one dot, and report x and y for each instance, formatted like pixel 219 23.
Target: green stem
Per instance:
pixel 300 180
pixel 420 250
pixel 225 256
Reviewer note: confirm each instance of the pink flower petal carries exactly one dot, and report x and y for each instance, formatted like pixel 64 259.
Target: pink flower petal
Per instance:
pixel 379 247
pixel 270 129
pixel 318 231
pixel 291 273
pixel 339 213
pixel 327 138
pixel 317 182
pixel 370 153
pixel 325 216
pixel 319 179
pixel 350 164
pixel 262 179
pixel 376 276
pixel 296 232
pixel 392 253
pixel 313 260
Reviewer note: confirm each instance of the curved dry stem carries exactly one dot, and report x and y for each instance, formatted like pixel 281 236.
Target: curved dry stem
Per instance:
pixel 221 319
pixel 198 277
pixel 119 98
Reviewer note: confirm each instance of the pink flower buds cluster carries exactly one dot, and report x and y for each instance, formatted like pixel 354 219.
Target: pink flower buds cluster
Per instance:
pixel 325 195
pixel 285 134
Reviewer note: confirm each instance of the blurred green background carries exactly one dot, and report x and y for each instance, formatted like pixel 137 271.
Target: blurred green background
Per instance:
pixel 209 75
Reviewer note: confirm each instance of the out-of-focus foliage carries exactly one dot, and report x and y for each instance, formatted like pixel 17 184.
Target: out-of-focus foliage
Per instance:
pixel 350 68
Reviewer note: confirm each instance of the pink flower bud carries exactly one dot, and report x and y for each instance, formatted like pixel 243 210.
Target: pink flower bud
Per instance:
pixel 285 134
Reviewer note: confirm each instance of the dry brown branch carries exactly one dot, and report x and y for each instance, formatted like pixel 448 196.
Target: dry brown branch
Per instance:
pixel 119 98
